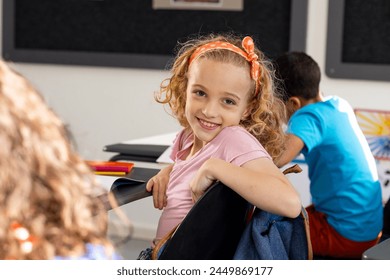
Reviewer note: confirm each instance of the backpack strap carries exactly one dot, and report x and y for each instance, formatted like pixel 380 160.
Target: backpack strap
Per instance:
pixel 160 244
pixel 293 169
pixel 307 230
pixel 297 169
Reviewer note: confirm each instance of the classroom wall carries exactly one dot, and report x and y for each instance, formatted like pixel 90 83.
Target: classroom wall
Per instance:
pixel 108 105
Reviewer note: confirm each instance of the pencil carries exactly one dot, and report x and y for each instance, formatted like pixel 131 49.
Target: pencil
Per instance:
pixel 110 173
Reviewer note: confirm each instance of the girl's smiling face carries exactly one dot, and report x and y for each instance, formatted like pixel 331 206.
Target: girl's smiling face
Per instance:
pixel 217 97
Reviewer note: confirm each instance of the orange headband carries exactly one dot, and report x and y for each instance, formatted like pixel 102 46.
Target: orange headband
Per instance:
pixel 248 54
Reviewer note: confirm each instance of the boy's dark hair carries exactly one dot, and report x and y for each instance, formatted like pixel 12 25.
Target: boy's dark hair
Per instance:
pixel 299 75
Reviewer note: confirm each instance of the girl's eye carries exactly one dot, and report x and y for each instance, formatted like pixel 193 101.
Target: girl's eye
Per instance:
pixel 229 102
pixel 200 93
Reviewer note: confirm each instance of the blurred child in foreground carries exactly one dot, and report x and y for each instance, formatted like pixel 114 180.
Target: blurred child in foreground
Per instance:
pixel 48 203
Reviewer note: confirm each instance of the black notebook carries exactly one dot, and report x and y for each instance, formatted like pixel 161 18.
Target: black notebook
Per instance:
pixel 142 152
pixel 132 187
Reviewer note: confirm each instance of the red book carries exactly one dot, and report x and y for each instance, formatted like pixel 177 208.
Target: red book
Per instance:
pixel 110 166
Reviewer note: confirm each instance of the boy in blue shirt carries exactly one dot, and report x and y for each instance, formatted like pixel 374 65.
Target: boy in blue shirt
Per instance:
pixel 346 214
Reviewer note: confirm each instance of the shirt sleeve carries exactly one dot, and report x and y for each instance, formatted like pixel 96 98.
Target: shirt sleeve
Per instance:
pixel 240 146
pixel 180 141
pixel 307 127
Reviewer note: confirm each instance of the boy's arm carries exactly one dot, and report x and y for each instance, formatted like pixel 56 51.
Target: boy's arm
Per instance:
pixel 294 146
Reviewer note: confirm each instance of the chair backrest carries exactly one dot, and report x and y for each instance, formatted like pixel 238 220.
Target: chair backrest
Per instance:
pixel 211 230
pixel 215 226
pixel 386 222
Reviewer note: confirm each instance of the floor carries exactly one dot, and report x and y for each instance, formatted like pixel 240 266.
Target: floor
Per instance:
pixel 131 249
pixel 126 246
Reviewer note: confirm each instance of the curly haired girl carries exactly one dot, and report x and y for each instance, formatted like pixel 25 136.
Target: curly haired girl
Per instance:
pixel 222 93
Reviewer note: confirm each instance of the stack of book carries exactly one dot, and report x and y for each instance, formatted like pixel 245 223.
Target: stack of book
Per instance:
pixel 111 168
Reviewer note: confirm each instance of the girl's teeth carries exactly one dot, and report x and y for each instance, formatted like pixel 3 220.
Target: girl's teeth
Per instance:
pixel 208 124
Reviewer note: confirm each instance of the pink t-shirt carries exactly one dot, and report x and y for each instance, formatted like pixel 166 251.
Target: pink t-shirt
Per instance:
pixel 233 144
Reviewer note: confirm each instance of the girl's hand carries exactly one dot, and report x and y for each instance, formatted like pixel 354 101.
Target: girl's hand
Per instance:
pixel 158 184
pixel 202 180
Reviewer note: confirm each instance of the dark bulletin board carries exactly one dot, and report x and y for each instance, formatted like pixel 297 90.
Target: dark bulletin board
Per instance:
pixel 358 40
pixel 130 33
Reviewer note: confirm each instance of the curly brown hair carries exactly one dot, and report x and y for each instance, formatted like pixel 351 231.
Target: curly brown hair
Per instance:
pixel 267 113
pixel 44 185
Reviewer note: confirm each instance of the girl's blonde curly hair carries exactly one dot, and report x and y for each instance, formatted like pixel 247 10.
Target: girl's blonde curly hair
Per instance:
pixel 45 187
pixel 267 112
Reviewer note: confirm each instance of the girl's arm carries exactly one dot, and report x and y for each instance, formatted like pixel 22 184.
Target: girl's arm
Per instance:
pixel 259 181
pixel 158 184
